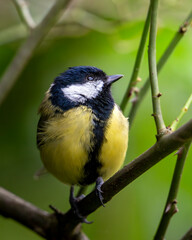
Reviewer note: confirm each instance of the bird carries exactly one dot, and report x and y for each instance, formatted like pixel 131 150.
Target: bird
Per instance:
pixel 82 134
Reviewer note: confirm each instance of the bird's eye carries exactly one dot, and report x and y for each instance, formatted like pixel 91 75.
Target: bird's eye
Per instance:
pixel 90 78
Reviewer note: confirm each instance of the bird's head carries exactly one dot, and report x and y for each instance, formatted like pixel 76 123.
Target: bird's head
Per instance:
pixel 79 85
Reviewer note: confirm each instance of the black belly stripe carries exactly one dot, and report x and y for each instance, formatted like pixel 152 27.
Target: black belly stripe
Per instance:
pixel 92 167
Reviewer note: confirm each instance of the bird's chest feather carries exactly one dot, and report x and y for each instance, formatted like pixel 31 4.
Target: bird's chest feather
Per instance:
pixel 67 143
pixel 114 147
pixel 77 147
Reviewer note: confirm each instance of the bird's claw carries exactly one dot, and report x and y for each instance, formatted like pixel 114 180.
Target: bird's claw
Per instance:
pixel 73 201
pixel 99 183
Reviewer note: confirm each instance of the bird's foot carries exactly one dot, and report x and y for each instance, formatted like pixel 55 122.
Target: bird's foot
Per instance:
pixel 73 202
pixel 99 183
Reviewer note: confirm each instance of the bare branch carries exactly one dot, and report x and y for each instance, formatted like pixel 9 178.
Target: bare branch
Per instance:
pixel 166 145
pixel 24 13
pixel 24 212
pixel 160 126
pixel 183 111
pixel 171 204
pixel 65 225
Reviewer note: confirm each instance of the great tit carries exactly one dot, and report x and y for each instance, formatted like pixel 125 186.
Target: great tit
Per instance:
pixel 82 135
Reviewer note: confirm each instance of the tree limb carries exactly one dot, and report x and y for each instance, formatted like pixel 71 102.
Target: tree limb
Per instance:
pixel 69 222
pixel 24 212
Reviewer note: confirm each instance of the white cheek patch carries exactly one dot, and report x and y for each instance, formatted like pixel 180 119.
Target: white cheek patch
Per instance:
pixel 82 92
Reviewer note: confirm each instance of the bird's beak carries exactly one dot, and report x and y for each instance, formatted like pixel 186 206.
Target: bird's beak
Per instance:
pixel 113 78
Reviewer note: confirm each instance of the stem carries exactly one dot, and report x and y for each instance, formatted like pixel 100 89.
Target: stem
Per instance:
pixel 27 49
pixel 171 47
pixel 138 60
pixel 171 207
pixel 183 111
pixel 153 71
pixel 24 13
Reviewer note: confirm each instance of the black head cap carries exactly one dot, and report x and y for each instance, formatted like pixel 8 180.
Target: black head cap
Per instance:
pixel 79 75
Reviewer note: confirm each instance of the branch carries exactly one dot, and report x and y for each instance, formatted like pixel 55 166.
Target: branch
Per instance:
pixel 183 111
pixel 68 223
pixel 160 126
pixel 171 47
pixel 171 204
pixel 24 13
pixel 24 212
pixel 138 60
pixel 27 49
pixel 41 222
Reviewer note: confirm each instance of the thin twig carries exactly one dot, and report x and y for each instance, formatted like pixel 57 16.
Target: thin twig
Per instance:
pixel 24 13
pixel 138 61
pixel 188 235
pixel 27 49
pixel 171 204
pixel 160 126
pixel 183 111
pixel 171 47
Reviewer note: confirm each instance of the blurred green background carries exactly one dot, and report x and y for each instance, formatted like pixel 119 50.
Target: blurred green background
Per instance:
pixel 105 34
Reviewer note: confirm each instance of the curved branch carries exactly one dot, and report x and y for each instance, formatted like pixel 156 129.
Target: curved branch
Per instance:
pixel 24 212
pixel 69 222
pixel 166 145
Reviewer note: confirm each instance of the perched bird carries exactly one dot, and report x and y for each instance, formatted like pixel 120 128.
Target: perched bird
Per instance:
pixel 82 135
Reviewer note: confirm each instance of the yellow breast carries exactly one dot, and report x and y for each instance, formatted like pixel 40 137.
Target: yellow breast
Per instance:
pixel 114 147
pixel 68 139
